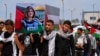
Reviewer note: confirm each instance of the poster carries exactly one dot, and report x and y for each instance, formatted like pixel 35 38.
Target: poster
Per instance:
pixel 20 9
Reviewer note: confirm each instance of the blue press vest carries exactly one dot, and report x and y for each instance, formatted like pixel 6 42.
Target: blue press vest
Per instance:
pixel 31 26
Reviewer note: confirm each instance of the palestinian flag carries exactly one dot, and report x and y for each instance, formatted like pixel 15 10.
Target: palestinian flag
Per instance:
pixel 19 17
pixel 94 31
pixel 97 34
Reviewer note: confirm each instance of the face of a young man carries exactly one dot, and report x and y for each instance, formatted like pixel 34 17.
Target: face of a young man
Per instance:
pixel 79 32
pixel 49 26
pixel 1 26
pixel 9 28
pixel 66 27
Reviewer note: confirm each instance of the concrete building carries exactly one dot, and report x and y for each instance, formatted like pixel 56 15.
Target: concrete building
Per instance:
pixel 91 17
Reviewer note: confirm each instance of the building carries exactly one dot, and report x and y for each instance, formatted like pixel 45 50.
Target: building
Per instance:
pixel 91 17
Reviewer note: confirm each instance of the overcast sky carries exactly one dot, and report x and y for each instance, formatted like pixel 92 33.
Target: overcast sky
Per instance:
pixel 76 5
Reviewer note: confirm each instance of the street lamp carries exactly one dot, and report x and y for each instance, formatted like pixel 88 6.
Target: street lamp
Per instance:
pixel 93 13
pixel 6 11
pixel 63 9
pixel 72 10
pixel 81 14
pixel 93 9
pixel 98 13
pixel 10 15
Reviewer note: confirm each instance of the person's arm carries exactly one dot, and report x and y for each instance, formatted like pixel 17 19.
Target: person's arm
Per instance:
pixel 32 37
pixel 72 44
pixel 94 44
pixel 19 45
pixel 87 45
pixel 20 53
pixel 41 39
pixel 41 30
pixel 1 46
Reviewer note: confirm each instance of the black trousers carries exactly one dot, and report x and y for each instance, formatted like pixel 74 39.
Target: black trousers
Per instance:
pixel 92 53
pixel 79 53
pixel 37 45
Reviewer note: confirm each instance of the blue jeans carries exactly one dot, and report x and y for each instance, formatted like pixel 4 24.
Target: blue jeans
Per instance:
pixel 86 53
pixel 98 50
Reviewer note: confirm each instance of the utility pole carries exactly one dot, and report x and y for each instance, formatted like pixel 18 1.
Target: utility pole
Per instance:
pixel 72 10
pixel 10 15
pixel 63 10
pixel 93 14
pixel 5 11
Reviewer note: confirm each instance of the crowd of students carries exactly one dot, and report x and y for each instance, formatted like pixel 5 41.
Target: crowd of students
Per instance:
pixel 34 39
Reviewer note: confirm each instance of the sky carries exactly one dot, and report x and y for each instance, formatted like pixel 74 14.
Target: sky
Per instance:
pixel 77 6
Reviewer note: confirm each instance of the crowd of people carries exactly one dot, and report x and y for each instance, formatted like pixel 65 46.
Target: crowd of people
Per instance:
pixel 35 39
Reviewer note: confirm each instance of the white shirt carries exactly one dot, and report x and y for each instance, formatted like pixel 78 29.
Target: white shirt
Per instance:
pixel 51 44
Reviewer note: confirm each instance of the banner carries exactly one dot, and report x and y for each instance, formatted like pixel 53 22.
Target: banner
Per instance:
pixel 20 9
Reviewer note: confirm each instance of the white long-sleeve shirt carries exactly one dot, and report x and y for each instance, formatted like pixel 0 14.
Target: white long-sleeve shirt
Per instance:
pixel 93 41
pixel 51 44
